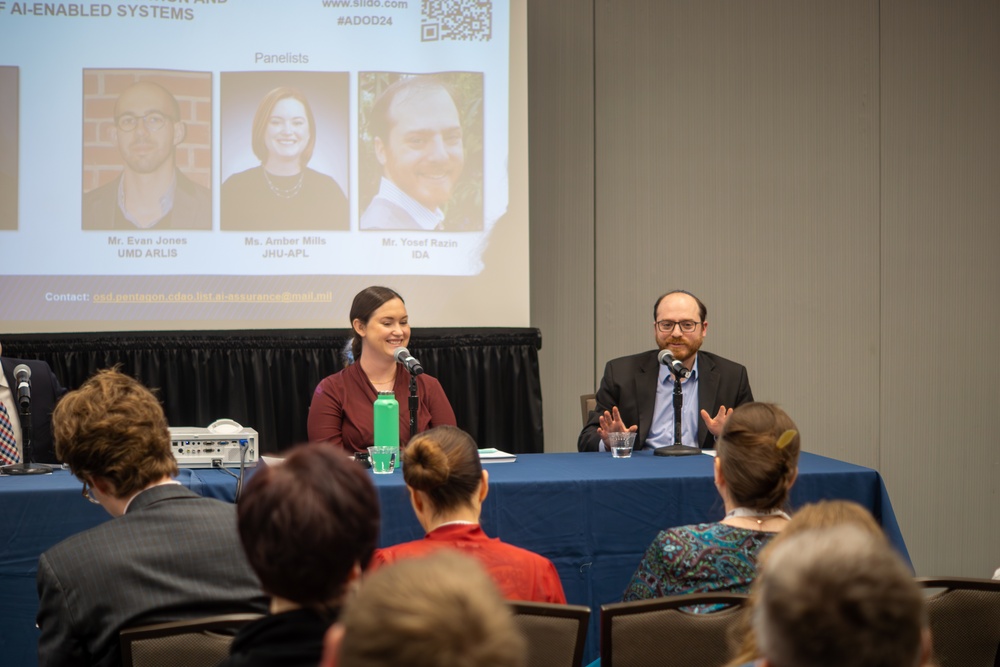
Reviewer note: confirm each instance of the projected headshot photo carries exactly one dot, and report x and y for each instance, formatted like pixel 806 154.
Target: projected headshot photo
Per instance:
pixel 421 152
pixel 147 150
pixel 9 127
pixel 285 151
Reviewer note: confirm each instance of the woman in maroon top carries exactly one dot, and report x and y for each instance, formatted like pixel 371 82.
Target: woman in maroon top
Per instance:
pixel 447 487
pixel 341 409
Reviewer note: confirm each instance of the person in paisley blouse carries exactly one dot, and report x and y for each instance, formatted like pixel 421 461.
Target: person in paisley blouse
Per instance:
pixel 755 467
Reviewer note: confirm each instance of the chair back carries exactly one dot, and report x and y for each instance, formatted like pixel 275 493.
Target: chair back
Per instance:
pixel 964 616
pixel 200 642
pixel 665 632
pixel 555 633
pixel 588 403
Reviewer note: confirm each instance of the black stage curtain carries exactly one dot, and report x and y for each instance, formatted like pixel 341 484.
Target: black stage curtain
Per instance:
pixel 265 379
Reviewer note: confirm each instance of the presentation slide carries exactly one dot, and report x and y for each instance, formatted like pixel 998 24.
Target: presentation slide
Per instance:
pixel 231 164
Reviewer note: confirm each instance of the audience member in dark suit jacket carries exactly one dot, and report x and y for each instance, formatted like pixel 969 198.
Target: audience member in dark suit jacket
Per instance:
pixel 45 391
pixel 308 526
pixel 168 554
pixel 636 392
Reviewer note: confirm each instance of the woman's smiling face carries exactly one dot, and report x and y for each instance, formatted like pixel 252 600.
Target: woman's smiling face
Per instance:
pixel 288 130
pixel 387 329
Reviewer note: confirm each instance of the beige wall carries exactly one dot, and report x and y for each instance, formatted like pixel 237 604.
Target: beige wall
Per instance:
pixel 825 176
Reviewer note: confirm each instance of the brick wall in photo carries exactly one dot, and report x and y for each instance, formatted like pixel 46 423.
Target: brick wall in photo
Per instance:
pixel 193 92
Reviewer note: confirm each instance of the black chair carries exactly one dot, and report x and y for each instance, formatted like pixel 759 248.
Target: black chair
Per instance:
pixel 555 632
pixel 964 616
pixel 665 632
pixel 200 642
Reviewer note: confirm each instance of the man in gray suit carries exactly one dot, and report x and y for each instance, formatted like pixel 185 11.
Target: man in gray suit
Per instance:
pixel 168 554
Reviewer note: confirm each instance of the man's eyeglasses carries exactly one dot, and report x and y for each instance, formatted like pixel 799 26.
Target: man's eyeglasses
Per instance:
pixel 88 495
pixel 667 326
pixel 153 121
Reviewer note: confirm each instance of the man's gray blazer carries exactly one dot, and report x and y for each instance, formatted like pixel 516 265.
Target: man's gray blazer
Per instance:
pixel 174 555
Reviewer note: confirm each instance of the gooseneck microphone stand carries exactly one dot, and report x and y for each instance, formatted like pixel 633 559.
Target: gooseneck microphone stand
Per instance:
pixel 677 449
pixel 414 405
pixel 413 367
pixel 26 467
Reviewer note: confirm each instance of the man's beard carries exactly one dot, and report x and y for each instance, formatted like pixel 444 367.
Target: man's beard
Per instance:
pixel 688 349
pixel 147 163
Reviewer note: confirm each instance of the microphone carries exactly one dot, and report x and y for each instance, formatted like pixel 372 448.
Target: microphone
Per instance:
pixel 22 374
pixel 666 357
pixel 402 355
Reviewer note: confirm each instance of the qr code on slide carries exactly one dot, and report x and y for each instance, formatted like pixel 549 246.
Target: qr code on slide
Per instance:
pixel 459 20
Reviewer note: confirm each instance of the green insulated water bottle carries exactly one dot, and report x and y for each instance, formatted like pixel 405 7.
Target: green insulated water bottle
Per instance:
pixel 386 411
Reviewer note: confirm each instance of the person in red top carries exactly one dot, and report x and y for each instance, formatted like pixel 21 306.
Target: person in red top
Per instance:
pixel 447 487
pixel 341 409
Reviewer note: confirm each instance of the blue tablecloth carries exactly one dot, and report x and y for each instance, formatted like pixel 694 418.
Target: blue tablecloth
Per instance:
pixel 592 515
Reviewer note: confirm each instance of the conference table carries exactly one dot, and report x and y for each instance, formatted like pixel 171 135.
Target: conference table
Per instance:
pixel 592 515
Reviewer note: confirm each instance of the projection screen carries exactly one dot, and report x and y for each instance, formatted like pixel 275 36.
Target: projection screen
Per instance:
pixel 252 164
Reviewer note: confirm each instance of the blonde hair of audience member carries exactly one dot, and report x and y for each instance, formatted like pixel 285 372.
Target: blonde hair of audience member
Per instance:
pixel 756 463
pixel 445 478
pixel 839 596
pixel 824 514
pixel 438 611
pixel 113 435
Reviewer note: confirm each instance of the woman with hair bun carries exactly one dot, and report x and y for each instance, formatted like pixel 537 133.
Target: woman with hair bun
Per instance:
pixel 447 486
pixel 756 463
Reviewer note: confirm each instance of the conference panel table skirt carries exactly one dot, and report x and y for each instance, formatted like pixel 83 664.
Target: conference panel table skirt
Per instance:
pixel 592 515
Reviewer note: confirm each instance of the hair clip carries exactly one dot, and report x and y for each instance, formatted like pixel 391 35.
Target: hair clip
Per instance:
pixel 786 438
